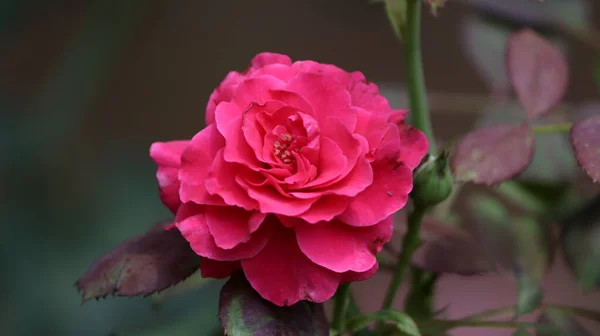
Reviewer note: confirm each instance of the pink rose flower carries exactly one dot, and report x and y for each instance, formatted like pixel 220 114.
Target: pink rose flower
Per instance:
pixel 294 180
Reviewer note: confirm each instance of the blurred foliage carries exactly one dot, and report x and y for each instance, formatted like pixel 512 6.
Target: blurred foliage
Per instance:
pixel 59 216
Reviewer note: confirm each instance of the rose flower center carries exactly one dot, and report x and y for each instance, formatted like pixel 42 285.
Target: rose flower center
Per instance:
pixel 282 148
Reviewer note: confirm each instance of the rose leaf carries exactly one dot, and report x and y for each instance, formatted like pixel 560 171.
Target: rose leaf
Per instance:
pixel 243 312
pixel 142 265
pixel 538 72
pixel 585 139
pixel 493 154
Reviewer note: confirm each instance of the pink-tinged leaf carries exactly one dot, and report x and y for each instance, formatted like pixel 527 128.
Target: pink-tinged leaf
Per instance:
pixel 242 311
pixel 140 266
pixel 491 155
pixel 585 138
pixel 538 72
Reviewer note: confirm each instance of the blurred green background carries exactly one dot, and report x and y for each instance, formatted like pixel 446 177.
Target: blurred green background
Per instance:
pixel 87 86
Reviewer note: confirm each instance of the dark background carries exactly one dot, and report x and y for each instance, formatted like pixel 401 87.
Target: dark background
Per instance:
pixel 87 86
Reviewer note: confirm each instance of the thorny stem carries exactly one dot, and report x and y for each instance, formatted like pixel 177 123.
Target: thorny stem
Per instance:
pixel 415 78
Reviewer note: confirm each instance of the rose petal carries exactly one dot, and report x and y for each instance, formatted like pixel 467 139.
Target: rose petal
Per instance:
pixel 195 230
pixel 388 194
pixel 167 156
pixel 222 181
pixel 195 166
pixel 353 146
pixel 218 269
pixel 282 274
pixel 293 99
pixel 229 124
pixel 229 226
pixel 256 90
pixel 168 153
pixel 253 131
pixel 355 276
pixel 366 95
pixel 327 97
pixel 266 58
pixel 343 248
pixel 354 183
pixel 223 93
pixel 270 200
pixel 326 208
pixel 414 146
pixel 331 164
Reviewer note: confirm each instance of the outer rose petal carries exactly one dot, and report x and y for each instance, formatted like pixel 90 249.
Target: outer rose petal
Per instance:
pixel 194 170
pixel 266 58
pixel 354 276
pixel 414 146
pixel 195 231
pixel 218 269
pixel 222 94
pixel 366 95
pixel 388 194
pixel 341 248
pixel 282 274
pixel 167 156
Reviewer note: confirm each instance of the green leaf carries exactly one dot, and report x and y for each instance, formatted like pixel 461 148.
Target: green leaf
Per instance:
pixel 142 265
pixel 402 322
pixel 566 325
pixel 530 294
pixel 533 257
pixel 243 312
pixel 580 238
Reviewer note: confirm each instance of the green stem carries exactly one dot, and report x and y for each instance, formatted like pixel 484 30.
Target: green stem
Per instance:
pixel 409 244
pixel 554 128
pixel 415 78
pixel 342 301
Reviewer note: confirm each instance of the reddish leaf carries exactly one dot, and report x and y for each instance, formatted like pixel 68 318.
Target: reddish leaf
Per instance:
pixel 243 312
pixel 493 154
pixel 140 266
pixel 585 138
pixel 538 72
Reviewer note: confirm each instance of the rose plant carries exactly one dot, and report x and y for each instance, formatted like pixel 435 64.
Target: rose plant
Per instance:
pixel 291 189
